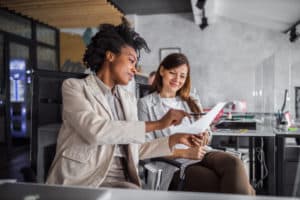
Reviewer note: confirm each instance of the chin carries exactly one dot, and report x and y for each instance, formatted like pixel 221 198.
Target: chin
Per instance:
pixel 174 89
pixel 123 82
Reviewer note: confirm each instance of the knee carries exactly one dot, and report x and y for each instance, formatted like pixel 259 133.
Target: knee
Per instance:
pixel 233 163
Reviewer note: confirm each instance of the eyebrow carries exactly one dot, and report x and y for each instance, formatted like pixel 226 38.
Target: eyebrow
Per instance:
pixel 135 57
pixel 181 73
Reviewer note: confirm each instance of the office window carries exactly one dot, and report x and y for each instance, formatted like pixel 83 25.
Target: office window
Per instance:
pixel 15 24
pixel 46 58
pixel 45 35
pixel 297 102
pixel 2 75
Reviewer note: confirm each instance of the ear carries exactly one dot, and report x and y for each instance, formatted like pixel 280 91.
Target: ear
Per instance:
pixel 109 56
pixel 161 70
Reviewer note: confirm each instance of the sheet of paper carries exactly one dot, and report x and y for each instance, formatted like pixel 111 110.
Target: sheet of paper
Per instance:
pixel 200 125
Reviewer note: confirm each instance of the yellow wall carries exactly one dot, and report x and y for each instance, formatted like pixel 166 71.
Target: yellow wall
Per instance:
pixel 72 48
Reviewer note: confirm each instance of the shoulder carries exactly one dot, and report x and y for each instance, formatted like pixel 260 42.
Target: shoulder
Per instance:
pixel 149 99
pixel 72 83
pixel 126 93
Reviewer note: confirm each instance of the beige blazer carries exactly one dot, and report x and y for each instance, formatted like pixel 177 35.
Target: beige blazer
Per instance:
pixel 87 138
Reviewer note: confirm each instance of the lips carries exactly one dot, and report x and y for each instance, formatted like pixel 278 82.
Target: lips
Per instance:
pixel 130 76
pixel 174 84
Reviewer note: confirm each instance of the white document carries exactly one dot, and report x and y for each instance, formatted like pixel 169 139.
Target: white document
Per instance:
pixel 200 125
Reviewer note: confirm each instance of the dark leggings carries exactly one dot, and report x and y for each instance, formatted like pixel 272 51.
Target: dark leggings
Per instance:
pixel 217 172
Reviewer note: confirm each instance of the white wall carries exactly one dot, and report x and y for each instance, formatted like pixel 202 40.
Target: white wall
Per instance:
pixel 224 56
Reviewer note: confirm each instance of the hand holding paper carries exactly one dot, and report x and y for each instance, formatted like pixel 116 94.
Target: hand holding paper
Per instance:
pixel 186 139
pixel 200 125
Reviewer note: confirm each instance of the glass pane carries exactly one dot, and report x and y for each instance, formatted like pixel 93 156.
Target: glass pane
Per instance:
pixel 20 92
pixel 45 35
pixel 264 94
pixel 46 59
pixel 14 24
pixel 295 90
pixel 2 121
pixel 2 83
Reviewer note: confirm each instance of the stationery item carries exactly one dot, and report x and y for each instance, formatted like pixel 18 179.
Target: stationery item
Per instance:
pixel 196 114
pixel 200 125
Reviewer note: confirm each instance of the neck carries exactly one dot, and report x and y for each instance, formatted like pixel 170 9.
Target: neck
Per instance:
pixel 105 76
pixel 167 94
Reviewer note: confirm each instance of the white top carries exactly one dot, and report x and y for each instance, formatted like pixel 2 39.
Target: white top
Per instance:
pixel 175 103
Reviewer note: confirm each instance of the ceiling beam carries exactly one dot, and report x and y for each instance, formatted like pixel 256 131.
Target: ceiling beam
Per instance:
pixel 67 13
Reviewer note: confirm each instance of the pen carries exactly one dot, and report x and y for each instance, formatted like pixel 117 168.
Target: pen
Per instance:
pixel 197 114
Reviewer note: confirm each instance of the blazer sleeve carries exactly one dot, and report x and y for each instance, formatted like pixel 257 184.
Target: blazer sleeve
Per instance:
pixel 155 148
pixel 91 126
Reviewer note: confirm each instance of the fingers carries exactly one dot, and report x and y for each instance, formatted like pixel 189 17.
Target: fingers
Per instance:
pixel 196 153
pixel 205 136
pixel 197 140
pixel 177 116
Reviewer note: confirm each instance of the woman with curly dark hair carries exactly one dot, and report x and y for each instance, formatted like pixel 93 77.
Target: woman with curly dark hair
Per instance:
pixel 101 140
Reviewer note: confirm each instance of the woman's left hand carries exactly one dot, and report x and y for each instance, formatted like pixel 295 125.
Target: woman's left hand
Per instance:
pixel 205 136
pixel 191 140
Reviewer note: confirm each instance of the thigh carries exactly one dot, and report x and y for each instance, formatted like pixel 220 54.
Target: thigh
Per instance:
pixel 198 179
pixel 221 162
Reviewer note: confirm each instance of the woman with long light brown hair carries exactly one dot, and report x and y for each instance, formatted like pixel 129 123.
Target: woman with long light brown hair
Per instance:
pixel 212 171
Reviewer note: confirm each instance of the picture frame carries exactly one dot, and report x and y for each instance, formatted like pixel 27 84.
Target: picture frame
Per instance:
pixel 163 52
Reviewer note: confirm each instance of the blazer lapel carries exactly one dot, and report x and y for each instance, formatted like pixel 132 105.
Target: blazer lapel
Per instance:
pixel 157 107
pixel 96 91
pixel 125 100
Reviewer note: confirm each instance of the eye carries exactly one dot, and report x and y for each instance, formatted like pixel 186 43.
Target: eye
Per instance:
pixel 132 60
pixel 172 72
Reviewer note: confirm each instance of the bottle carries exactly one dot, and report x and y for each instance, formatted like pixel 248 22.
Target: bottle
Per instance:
pixel 229 116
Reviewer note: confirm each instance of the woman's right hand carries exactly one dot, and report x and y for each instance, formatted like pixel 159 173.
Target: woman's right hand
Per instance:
pixel 172 117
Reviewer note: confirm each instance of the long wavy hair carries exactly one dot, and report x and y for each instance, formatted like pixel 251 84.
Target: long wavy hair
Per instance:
pixel 172 61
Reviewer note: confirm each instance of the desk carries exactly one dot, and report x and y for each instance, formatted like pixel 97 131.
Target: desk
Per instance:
pixel 123 194
pixel 287 160
pixel 264 138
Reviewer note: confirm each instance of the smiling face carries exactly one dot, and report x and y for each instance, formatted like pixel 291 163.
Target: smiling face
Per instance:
pixel 173 79
pixel 122 66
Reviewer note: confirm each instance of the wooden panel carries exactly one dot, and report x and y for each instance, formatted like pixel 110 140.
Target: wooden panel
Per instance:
pixel 72 48
pixel 67 13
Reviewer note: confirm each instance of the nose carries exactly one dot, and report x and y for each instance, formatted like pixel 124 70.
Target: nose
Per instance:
pixel 134 69
pixel 177 77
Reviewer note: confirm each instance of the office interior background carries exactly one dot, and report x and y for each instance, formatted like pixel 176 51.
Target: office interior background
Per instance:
pixel 241 51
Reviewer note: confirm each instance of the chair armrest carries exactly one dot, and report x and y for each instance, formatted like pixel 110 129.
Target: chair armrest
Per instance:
pixel 169 161
pixel 150 174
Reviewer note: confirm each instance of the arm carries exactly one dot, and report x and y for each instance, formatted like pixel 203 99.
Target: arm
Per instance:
pixel 91 126
pixel 163 146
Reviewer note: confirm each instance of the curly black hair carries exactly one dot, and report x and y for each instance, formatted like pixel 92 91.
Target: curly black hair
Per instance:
pixel 112 38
